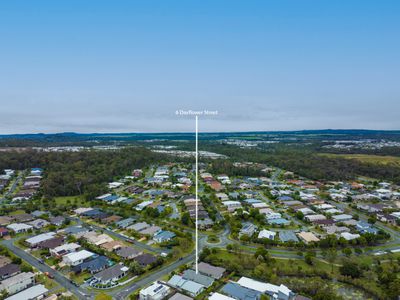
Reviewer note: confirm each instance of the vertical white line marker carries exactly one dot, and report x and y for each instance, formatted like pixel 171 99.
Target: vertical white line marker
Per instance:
pixel 197 200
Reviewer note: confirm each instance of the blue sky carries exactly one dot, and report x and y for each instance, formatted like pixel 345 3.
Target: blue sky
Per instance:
pixel 127 66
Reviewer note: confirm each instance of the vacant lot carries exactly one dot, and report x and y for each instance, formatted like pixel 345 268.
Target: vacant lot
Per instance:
pixel 367 158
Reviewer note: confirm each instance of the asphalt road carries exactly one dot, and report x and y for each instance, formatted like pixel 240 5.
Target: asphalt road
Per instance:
pixel 13 186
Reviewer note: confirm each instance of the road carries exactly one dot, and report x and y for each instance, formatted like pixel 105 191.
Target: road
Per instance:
pixel 58 277
pixel 13 186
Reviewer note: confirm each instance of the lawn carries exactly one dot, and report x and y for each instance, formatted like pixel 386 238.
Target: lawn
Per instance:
pixel 17 212
pixel 70 199
pixel 48 283
pixel 80 277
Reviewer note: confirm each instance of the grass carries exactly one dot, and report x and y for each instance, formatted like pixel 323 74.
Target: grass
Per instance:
pixel 48 283
pixel 17 212
pixel 80 277
pixel 367 158
pixel 64 200
pixel 283 263
pixel 213 239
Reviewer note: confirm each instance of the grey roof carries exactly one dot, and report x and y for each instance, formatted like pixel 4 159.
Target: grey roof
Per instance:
pixel 237 291
pixel 145 259
pixel 192 287
pixel 199 278
pixel 9 270
pixel 127 252
pixel 179 296
pixel 30 293
pixel 125 222
pixel 75 229
pixel 57 220
pixel 95 265
pixel 286 236
pixel 207 269
pixel 110 273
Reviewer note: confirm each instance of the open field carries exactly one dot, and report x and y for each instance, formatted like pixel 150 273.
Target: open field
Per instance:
pixel 367 158
pixel 69 199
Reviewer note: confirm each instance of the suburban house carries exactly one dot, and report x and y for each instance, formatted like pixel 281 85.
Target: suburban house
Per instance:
pixel 190 287
pixel 39 223
pixel 64 249
pixel 210 270
pixel 3 231
pixel 179 296
pixel 280 292
pixel 218 296
pixel 9 270
pixel 128 252
pixel 247 229
pixel 232 205
pixel 51 243
pixel 156 291
pixel 238 292
pixel 199 278
pixel 112 246
pixel 266 234
pixel 145 259
pixel 163 236
pixel 307 237
pixel 76 258
pixel 17 283
pixel 35 292
pixel 57 221
pixel 36 240
pixel 19 227
pixel 112 274
pixel 94 265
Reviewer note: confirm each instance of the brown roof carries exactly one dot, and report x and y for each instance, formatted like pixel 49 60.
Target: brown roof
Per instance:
pixel 110 246
pixel 4 260
pixel 111 219
pixel 5 220
pixel 51 243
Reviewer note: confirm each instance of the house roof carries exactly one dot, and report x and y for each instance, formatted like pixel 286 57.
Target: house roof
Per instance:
pixel 211 270
pixel 30 293
pixel 190 286
pixel 9 269
pixel 127 252
pixel 199 278
pixel 51 243
pixel 179 296
pixel 145 259
pixel 57 220
pixel 111 272
pixel 4 260
pixel 218 296
pixel 93 265
pixel 164 235
pixel 263 287
pixel 15 279
pixel 237 291
pixel 19 226
pixel 286 236
pixel 80 255
pixel 40 238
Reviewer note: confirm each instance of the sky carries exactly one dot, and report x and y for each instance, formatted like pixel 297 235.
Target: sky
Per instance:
pixel 127 66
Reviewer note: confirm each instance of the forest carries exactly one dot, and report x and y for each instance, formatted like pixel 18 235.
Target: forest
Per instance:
pixel 304 161
pixel 78 173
